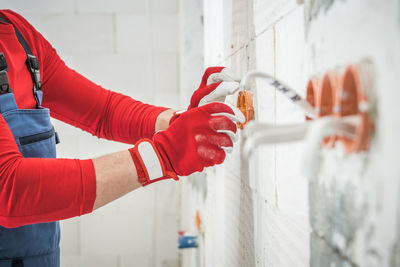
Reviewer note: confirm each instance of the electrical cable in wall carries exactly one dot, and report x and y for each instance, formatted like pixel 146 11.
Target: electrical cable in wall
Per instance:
pixel 286 90
pixel 340 107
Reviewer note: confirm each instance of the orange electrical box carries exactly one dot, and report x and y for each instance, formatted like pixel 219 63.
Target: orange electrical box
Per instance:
pixel 326 101
pixel 326 97
pixel 350 100
pixel 245 105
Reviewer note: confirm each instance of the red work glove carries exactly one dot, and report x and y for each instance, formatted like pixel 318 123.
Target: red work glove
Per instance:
pixel 216 84
pixel 197 139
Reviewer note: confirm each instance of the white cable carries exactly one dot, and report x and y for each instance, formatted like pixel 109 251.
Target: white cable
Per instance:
pixel 320 129
pixel 281 87
pixel 313 132
pixel 257 134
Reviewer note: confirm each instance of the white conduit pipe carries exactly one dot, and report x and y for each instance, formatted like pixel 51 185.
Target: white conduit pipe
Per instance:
pixel 281 87
pixel 257 134
pixel 320 129
pixel 313 132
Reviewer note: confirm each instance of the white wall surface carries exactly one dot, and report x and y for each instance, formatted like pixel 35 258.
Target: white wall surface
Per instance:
pixel 266 212
pixel 138 40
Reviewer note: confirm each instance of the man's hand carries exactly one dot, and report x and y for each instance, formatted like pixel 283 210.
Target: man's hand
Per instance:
pixel 197 139
pixel 216 84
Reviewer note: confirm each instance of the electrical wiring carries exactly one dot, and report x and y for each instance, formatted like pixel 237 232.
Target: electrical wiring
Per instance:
pixel 281 87
pixel 313 132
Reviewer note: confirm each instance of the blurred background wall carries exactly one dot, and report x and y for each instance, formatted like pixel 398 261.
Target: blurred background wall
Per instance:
pixel 130 47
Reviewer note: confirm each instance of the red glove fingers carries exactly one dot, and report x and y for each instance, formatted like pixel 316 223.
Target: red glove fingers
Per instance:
pixel 207 73
pixel 220 140
pixel 194 141
pixel 222 123
pixel 219 74
pixel 179 141
pixel 236 116
pixel 227 129
pixel 211 155
pixel 216 84
pixel 215 92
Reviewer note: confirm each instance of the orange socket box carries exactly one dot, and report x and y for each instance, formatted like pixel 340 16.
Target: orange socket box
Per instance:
pixel 351 99
pixel 343 95
pixel 326 101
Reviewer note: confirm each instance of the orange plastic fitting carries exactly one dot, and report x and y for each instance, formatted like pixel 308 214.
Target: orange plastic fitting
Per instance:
pixel 326 101
pixel 326 96
pixel 245 105
pixel 198 221
pixel 312 91
pixel 350 99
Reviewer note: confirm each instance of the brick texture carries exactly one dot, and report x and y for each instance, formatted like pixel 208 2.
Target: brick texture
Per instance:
pixel 266 210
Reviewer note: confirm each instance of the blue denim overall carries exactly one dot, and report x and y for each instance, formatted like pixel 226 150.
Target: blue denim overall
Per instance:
pixel 37 244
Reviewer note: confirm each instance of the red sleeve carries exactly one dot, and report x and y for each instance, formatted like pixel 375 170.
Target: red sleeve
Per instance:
pixel 75 100
pixel 41 190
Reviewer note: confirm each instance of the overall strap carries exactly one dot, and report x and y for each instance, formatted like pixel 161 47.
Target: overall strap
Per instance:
pixel 32 64
pixel 7 99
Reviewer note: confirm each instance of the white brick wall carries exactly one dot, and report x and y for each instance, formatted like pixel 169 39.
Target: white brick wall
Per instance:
pixel 118 6
pixel 271 214
pixel 40 7
pixel 129 47
pixel 78 33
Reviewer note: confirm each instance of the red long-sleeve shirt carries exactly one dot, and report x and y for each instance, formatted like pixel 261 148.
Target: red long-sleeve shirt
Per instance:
pixel 41 190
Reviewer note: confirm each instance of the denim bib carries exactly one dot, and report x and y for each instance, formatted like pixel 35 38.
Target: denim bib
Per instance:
pixel 35 245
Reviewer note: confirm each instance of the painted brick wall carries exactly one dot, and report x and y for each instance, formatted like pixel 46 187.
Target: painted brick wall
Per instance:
pixel 129 47
pixel 265 211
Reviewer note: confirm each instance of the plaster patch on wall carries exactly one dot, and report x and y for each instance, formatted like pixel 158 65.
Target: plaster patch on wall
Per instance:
pixel 312 8
pixel 338 209
pixel 395 253
pixel 325 255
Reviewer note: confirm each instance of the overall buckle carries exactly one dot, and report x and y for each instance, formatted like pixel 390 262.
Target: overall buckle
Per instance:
pixel 4 84
pixel 34 68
